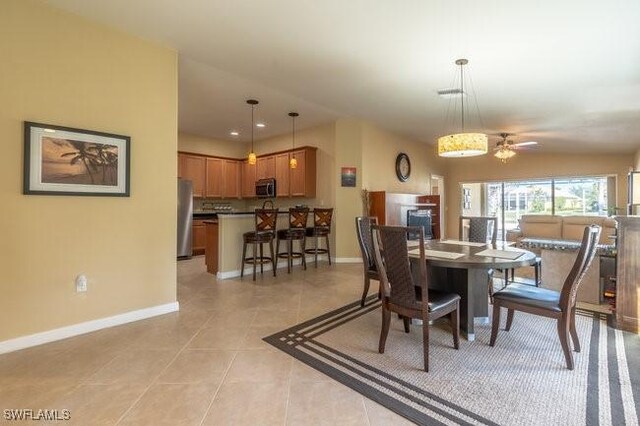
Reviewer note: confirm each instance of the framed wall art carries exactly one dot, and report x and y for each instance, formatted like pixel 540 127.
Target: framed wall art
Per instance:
pixel 66 161
pixel 348 176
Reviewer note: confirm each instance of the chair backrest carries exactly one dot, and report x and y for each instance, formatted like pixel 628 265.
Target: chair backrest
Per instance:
pixel 587 252
pixel 266 219
pixel 322 218
pixel 363 231
pixel 298 217
pixel 482 229
pixel 392 260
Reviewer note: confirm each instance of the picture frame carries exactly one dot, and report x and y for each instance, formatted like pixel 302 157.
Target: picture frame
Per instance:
pixel 348 177
pixel 62 160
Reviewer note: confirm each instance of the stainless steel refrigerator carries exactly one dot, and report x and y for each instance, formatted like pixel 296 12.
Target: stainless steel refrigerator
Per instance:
pixel 185 217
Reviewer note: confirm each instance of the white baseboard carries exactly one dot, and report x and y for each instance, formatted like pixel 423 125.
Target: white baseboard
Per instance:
pixel 248 270
pixel 85 327
pixel 348 260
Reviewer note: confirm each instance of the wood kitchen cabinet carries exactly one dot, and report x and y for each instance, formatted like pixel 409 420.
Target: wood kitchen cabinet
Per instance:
pixel 248 180
pixel 266 167
pixel 199 240
pixel 214 177
pixel 282 174
pixel 192 167
pixel 303 177
pixel 231 173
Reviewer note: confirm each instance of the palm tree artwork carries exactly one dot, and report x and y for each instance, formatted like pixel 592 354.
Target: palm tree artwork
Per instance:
pixel 77 162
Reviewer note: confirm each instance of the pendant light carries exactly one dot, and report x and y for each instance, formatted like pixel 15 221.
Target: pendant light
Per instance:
pixel 293 163
pixel 463 144
pixel 252 155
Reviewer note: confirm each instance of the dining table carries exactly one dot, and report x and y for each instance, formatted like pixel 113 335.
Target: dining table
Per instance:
pixel 462 267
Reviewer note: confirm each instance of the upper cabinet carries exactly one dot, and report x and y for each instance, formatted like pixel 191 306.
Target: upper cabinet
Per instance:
pixel 192 167
pixel 266 167
pixel 282 174
pixel 231 172
pixel 215 177
pixel 248 180
pixel 303 178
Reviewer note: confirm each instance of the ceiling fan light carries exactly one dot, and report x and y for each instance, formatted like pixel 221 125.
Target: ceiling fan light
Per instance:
pixel 504 154
pixel 463 145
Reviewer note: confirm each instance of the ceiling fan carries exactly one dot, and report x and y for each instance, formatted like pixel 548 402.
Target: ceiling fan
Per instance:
pixel 506 148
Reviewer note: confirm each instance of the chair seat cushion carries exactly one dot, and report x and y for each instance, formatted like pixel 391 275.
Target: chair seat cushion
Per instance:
pixel 258 237
pixel 530 296
pixel 439 300
pixel 291 234
pixel 320 231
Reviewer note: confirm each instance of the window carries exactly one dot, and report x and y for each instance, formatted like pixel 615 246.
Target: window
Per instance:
pixel 508 201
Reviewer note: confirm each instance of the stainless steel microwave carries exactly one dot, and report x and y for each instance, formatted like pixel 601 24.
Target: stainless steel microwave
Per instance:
pixel 266 188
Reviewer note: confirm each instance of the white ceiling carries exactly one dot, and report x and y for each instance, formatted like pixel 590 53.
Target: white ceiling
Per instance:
pixel 565 73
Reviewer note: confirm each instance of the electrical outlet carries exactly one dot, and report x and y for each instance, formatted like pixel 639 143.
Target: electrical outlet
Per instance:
pixel 81 283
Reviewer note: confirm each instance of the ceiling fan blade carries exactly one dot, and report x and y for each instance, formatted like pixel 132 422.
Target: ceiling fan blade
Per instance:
pixel 528 143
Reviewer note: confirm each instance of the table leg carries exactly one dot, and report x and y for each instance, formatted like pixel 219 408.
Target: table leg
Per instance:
pixel 472 286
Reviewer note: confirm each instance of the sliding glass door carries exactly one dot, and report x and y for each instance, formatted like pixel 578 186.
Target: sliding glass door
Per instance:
pixel 509 200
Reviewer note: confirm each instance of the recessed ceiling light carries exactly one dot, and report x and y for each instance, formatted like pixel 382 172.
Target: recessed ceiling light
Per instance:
pixel 234 133
pixel 261 125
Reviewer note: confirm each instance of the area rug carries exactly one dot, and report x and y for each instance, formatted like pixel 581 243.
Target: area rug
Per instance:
pixel 521 381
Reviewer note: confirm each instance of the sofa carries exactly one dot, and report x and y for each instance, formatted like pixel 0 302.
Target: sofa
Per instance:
pixel 556 240
pixel 563 228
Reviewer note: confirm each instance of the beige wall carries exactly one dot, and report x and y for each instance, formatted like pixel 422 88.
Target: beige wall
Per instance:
pixel 379 151
pixel 530 165
pixel 208 146
pixel 60 69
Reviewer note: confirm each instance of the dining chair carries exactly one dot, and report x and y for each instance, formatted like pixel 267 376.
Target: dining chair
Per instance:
pixel 549 303
pixel 481 229
pixel 263 233
pixel 363 231
pixel 401 294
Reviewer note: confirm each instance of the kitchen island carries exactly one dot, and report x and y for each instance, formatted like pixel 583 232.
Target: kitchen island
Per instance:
pixel 223 252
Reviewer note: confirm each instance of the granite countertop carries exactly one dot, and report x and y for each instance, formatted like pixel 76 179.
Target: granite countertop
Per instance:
pixel 566 245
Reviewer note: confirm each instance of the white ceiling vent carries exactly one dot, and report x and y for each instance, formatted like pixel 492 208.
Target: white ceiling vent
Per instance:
pixel 451 93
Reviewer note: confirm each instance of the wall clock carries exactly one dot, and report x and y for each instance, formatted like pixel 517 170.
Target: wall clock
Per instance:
pixel 403 167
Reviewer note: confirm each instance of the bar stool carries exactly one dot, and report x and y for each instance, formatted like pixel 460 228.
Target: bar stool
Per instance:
pixel 321 228
pixel 265 226
pixel 295 232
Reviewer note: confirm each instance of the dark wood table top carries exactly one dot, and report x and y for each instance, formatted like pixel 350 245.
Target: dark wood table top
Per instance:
pixel 471 260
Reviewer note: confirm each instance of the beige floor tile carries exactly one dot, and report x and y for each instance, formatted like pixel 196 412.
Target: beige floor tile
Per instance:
pixel 226 318
pixel 253 339
pixel 259 404
pixel 263 365
pixel 171 404
pixel 276 318
pixel 34 395
pixel 219 337
pixel 198 366
pixel 99 404
pixel 135 367
pixel 325 403
pixel 381 416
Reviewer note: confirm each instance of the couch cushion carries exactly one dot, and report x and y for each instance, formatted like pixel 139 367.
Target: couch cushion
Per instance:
pixel 541 226
pixel 573 227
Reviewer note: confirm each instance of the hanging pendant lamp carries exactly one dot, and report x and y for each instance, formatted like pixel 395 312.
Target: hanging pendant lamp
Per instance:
pixel 293 163
pixel 463 144
pixel 252 155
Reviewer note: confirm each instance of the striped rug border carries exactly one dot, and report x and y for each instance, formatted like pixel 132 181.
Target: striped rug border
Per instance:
pixel 606 344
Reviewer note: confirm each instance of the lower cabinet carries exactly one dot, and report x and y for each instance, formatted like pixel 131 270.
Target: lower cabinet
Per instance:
pixel 211 252
pixel 199 237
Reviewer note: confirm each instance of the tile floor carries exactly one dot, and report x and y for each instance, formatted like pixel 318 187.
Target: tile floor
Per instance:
pixel 205 365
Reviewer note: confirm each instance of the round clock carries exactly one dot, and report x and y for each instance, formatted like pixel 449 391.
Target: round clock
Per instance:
pixel 403 167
